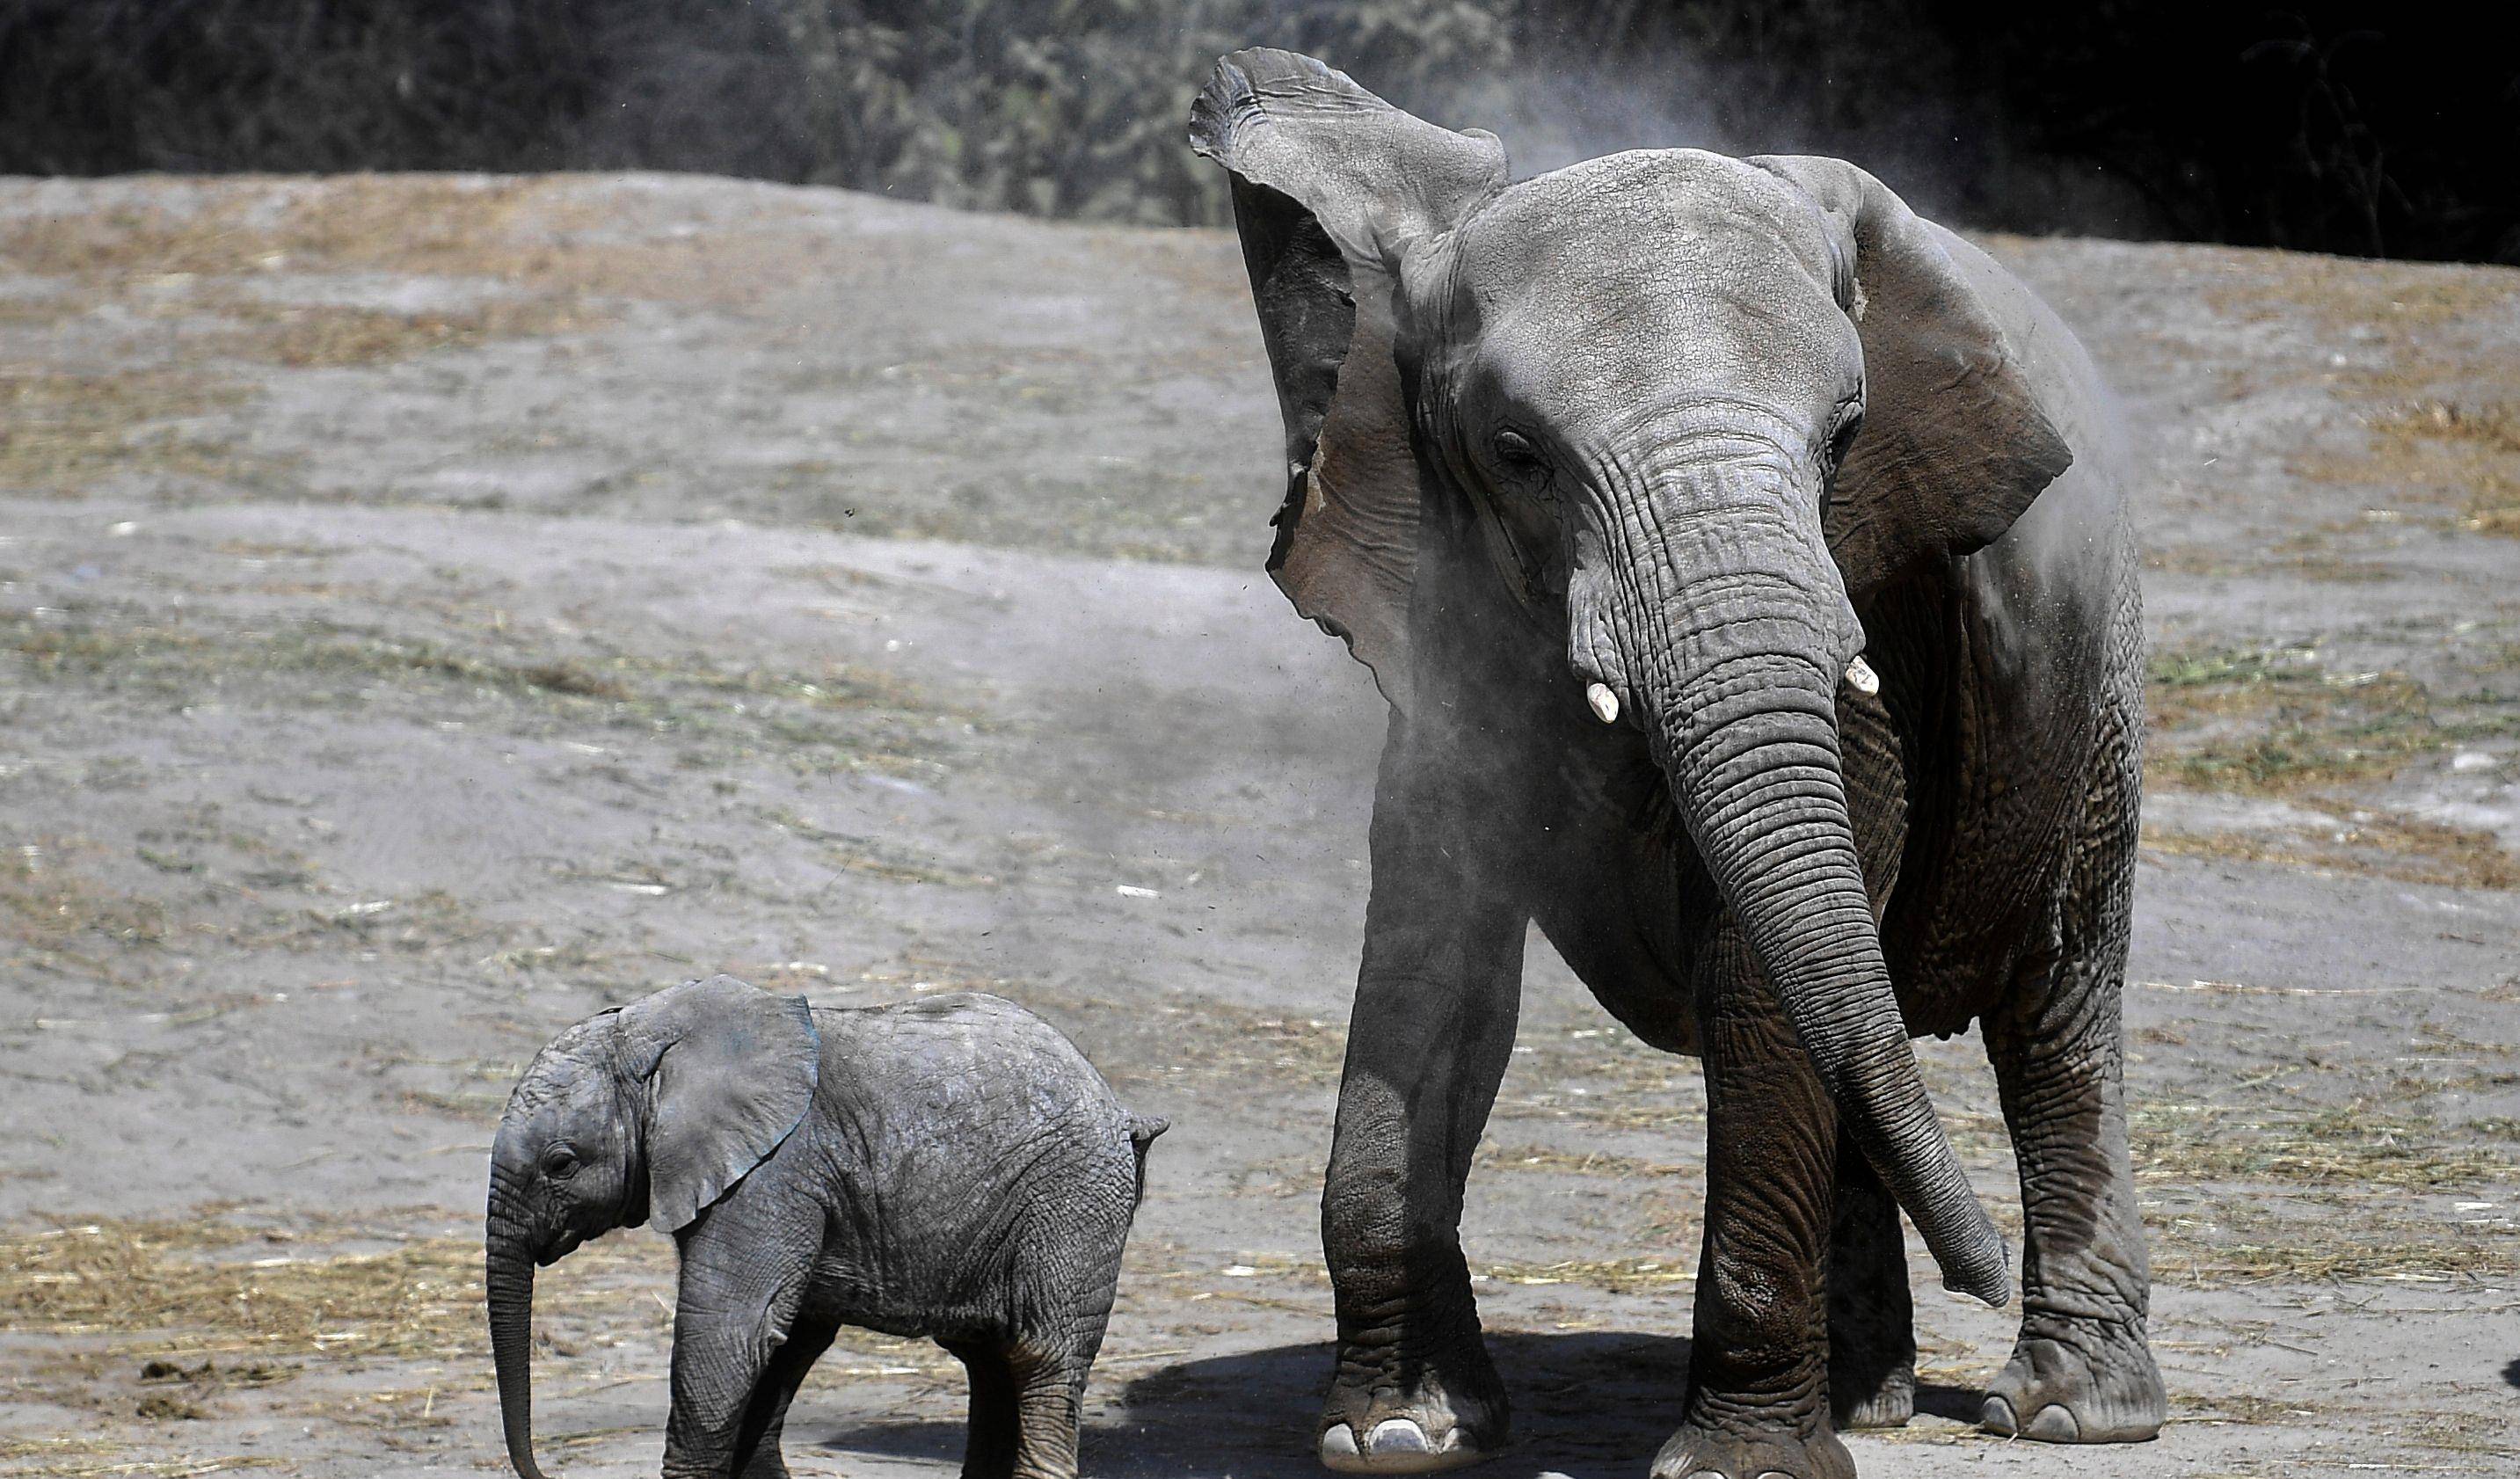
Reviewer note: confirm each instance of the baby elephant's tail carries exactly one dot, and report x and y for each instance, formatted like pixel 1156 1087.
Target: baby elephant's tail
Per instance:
pixel 1143 1130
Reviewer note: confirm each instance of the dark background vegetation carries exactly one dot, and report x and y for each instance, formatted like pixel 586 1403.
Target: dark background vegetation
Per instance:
pixel 2365 128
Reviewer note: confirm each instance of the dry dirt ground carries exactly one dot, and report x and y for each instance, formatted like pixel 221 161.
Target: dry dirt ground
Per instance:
pixel 433 608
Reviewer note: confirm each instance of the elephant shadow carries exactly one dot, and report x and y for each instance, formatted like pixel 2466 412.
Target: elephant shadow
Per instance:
pixel 1590 1405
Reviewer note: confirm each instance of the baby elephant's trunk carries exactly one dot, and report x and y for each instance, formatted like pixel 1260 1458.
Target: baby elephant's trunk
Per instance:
pixel 509 1270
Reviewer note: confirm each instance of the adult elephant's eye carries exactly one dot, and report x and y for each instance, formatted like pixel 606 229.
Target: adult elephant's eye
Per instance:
pixel 559 1162
pixel 1519 458
pixel 1841 436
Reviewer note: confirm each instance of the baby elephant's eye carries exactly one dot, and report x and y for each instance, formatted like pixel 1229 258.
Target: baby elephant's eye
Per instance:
pixel 559 1162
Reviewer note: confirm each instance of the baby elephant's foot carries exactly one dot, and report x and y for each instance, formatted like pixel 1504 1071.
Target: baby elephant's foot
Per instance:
pixel 2084 1383
pixel 1379 1427
pixel 1699 1454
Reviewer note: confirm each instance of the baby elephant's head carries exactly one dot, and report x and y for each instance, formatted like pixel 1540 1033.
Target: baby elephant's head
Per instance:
pixel 650 1113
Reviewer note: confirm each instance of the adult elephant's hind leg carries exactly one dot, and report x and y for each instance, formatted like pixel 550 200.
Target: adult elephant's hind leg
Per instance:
pixel 1429 1040
pixel 2082 1369
pixel 1871 1323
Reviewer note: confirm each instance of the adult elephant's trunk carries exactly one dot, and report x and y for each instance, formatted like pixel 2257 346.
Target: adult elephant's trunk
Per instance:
pixel 1730 631
pixel 509 1279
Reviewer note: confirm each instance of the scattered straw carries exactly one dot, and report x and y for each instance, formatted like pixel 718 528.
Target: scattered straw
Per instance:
pixel 1618 1275
pixel 2187 1144
pixel 60 432
pixel 2273 723
pixel 184 1288
pixel 2468 450
pixel 2408 849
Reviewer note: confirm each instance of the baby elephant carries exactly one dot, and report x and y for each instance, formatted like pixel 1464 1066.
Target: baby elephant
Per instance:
pixel 950 1167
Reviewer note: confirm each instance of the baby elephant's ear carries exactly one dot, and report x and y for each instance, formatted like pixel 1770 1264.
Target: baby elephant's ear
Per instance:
pixel 731 1070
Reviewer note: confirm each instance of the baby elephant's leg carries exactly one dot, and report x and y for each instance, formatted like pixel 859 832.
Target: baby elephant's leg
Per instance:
pixel 989 1450
pixel 737 1292
pixel 1024 1412
pixel 1050 1359
pixel 1050 1405
pixel 765 1418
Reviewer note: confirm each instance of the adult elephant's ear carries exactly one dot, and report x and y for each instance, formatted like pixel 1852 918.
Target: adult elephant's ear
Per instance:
pixel 1954 445
pixel 1334 189
pixel 731 1070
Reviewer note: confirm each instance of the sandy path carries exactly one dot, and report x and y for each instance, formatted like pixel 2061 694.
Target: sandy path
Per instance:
pixel 473 617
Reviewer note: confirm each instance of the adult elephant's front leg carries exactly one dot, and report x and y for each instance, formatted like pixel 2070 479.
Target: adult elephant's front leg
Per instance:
pixel 1757 1379
pixel 1429 1040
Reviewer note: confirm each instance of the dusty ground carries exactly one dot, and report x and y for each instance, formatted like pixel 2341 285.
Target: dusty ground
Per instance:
pixel 431 610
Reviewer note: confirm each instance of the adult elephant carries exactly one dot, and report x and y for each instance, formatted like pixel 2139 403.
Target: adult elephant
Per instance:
pixel 1745 562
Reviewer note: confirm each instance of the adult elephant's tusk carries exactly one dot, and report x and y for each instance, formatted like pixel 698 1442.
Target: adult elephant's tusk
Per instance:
pixel 1861 677
pixel 1606 705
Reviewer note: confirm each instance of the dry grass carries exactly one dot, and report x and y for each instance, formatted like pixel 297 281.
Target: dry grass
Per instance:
pixel 2405 302
pixel 209 1286
pixel 67 1458
pixel 1617 1276
pixel 2301 555
pixel 2276 724
pixel 60 432
pixel 2453 432
pixel 2314 1194
pixel 878 859
pixel 1574 1162
pixel 1236 1047
pixel 2216 1260
pixel 2461 452
pixel 334 337
pixel 49 903
pixel 839 716
pixel 2471 450
pixel 134 652
pixel 245 225
pixel 2407 849
pixel 541 234
pixel 2358 1147
pixel 33 303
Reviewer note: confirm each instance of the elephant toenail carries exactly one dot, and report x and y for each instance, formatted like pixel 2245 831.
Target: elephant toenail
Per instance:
pixel 2054 1424
pixel 1396 1437
pixel 1338 1448
pixel 1996 1418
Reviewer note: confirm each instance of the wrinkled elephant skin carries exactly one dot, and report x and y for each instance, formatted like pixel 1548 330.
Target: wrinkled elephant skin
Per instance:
pixel 950 1168
pixel 1745 562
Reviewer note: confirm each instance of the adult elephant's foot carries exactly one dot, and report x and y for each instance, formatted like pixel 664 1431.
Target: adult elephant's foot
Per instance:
pixel 1697 1453
pixel 2086 1383
pixel 1447 1415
